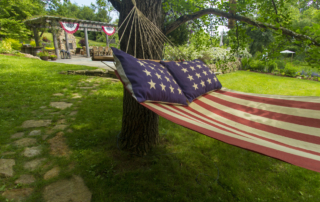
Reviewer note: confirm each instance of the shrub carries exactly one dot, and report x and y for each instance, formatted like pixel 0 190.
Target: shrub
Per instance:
pixel 43 53
pixel 280 63
pixel 33 43
pixel 5 47
pixel 256 65
pixel 290 70
pixel 15 44
pixel 82 42
pixel 245 63
pixel 53 56
pixel 272 65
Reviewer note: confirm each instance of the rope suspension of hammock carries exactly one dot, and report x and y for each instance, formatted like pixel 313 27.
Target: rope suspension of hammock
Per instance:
pixel 148 33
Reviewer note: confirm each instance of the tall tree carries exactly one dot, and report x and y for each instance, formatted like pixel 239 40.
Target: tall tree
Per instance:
pixel 140 125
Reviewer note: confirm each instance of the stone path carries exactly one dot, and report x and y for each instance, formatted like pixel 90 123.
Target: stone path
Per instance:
pixel 28 143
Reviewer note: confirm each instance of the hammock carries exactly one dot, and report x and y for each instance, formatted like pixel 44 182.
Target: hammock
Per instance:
pixel 282 127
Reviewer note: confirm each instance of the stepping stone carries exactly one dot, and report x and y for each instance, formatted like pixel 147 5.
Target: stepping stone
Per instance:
pixel 6 167
pixel 61 121
pixel 58 146
pixel 85 88
pixel 60 127
pixel 54 172
pixel 45 137
pixel 76 96
pixel 8 153
pixel 43 107
pixel 49 132
pixel 25 179
pixel 36 123
pixel 54 113
pixel 96 85
pixel 73 113
pixel 24 142
pixel 32 165
pixel 67 190
pixel 69 131
pixel 17 194
pixel 17 135
pixel 32 151
pixel 60 105
pixel 58 94
pixel 35 133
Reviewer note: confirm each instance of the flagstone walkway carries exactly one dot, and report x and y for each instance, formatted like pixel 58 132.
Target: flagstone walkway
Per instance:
pixel 31 141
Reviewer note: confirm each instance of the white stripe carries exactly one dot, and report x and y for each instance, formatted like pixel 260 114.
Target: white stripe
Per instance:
pixel 308 113
pixel 314 99
pixel 270 122
pixel 260 143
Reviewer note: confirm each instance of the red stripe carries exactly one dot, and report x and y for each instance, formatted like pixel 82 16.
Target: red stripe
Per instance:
pixel 251 134
pixel 311 122
pixel 279 102
pixel 270 129
pixel 290 158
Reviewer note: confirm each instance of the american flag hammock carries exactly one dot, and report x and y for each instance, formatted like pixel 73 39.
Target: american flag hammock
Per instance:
pixel 282 127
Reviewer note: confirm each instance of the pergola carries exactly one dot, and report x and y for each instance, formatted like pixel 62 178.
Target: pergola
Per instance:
pixel 52 22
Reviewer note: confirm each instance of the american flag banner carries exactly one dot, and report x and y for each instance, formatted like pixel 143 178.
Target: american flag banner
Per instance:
pixel 282 127
pixel 194 77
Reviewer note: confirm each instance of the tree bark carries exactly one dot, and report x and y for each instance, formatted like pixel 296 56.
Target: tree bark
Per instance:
pixel 139 131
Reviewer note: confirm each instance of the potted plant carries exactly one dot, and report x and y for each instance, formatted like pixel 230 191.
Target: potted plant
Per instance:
pixel 44 55
pixel 53 57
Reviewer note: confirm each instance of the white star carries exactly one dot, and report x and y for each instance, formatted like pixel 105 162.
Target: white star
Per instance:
pixel 161 71
pixel 197 61
pixel 192 68
pixel 168 73
pixel 199 66
pixel 159 76
pixel 204 72
pixel 141 63
pixel 147 72
pixel 163 86
pixel 210 71
pixel 180 92
pixel 195 86
pixel 202 83
pixel 171 88
pixel 177 64
pixel 152 85
pixel 185 63
pixel 174 81
pixel 162 66
pixel 190 77
pixel 151 67
pixel 204 65
pixel 209 81
pixel 184 70
pixel 215 79
pixel 167 79
pixel 198 75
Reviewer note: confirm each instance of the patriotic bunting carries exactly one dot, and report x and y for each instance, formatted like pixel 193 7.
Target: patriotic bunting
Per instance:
pixel 70 27
pixel 109 30
pixel 282 127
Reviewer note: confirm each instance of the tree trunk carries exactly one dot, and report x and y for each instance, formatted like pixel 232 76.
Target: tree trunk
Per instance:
pixel 139 131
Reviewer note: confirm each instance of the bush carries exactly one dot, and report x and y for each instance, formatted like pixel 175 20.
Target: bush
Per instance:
pixel 33 44
pixel 43 53
pixel 53 56
pixel 5 47
pixel 272 65
pixel 281 64
pixel 82 42
pixel 15 44
pixel 290 70
pixel 256 65
pixel 245 63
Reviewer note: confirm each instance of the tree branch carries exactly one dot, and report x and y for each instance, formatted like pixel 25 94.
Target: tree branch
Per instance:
pixel 116 4
pixel 247 20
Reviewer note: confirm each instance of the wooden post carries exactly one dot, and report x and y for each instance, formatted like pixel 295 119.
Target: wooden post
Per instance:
pixel 55 43
pixel 36 36
pixel 87 42
pixel 107 41
pixel 67 43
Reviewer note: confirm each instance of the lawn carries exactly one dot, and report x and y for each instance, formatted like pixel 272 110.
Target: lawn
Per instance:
pixel 183 167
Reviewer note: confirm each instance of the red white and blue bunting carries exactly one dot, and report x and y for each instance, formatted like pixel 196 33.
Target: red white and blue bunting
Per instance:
pixel 109 30
pixel 69 27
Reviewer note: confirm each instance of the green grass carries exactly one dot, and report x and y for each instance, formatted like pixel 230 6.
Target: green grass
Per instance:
pixel 169 172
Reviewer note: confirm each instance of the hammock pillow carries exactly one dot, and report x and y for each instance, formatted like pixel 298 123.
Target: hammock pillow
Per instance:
pixel 147 81
pixel 194 78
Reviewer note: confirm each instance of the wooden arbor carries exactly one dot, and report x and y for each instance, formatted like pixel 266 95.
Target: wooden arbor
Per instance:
pixel 52 23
